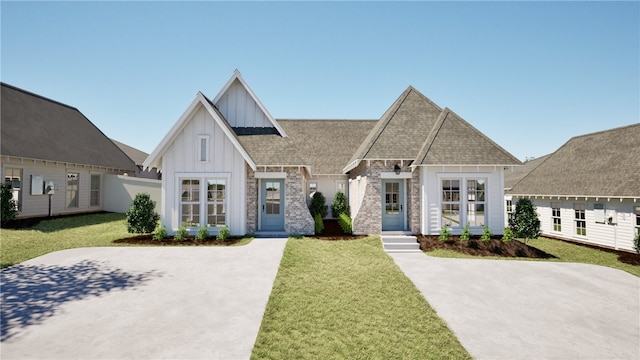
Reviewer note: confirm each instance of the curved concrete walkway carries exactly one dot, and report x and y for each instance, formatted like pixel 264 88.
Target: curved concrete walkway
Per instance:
pixel 138 302
pixel 506 309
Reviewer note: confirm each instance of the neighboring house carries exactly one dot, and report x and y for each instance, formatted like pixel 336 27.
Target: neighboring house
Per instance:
pixel 138 158
pixel 227 161
pixel 589 189
pixel 52 148
pixel 511 178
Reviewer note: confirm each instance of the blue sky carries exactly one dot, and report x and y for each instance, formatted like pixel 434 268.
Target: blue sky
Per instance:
pixel 530 75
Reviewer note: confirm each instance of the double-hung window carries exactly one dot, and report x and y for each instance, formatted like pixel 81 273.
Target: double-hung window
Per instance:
pixel 203 201
pixel 95 190
pixel 509 207
pixel 73 183
pixel 476 189
pixel 555 217
pixel 637 209
pixel 13 180
pixel 580 219
pixel 450 214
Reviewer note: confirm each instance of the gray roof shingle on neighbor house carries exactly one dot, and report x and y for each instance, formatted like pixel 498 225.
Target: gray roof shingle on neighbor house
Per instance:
pixel 605 163
pixel 136 155
pixel 453 141
pixel 35 127
pixel 518 172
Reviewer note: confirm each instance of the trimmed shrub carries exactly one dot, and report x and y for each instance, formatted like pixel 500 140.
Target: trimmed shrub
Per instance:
pixel 318 224
pixel 141 217
pixel 8 206
pixel 318 205
pixel 181 233
pixel 223 233
pixel 508 235
pixel 202 233
pixel 445 233
pixel 466 233
pixel 340 205
pixel 486 234
pixel 525 223
pixel 345 223
pixel 160 233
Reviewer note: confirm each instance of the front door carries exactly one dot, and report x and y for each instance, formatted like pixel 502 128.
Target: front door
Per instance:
pixel 393 208
pixel 272 205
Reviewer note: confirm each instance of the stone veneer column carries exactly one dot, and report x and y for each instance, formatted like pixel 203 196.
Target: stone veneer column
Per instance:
pixel 298 219
pixel 413 197
pixel 252 202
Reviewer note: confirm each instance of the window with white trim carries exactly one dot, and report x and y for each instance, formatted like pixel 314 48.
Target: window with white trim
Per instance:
pixel 637 219
pixel 509 207
pixel 476 189
pixel 341 186
pixel 555 217
pixel 450 214
pixel 216 202
pixel 73 183
pixel 13 180
pixel 94 196
pixel 203 148
pixel 580 219
pixel 190 203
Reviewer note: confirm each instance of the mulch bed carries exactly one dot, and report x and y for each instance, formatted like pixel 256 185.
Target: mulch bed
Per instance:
pixel 333 232
pixel 477 247
pixel 147 239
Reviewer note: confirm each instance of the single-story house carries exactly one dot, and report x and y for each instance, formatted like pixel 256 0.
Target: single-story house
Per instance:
pixel 50 148
pixel 227 161
pixel 589 189
pixel 138 157
pixel 512 177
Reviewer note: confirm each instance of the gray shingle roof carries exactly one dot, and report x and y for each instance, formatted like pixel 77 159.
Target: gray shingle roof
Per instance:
pixel 39 128
pixel 604 163
pixel 453 141
pixel 136 155
pixel 518 172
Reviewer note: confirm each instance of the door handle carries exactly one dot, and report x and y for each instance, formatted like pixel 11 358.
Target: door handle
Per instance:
pixel 400 207
pixel 262 207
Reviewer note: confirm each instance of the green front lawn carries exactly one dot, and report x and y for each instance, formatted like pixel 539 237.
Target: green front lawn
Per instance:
pixel 348 300
pixel 564 251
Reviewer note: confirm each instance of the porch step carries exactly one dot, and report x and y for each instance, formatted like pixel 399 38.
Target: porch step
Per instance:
pixel 400 243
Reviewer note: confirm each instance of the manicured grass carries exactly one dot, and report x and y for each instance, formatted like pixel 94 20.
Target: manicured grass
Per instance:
pixel 564 251
pixel 18 245
pixel 348 300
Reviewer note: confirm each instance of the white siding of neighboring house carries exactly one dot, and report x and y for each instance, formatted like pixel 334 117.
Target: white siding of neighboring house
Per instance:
pixel 619 236
pixel 183 157
pixel 122 190
pixel 327 185
pixel 430 177
pixel 38 205
pixel 356 194
pixel 239 108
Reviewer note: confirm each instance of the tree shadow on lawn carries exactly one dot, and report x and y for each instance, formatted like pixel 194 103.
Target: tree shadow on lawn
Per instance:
pixel 33 293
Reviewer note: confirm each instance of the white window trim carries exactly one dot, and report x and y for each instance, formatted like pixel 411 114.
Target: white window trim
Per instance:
pixel 463 177
pixel 575 221
pixel 202 177
pixel 270 175
pixel 99 189
pixel 207 139
pixel 553 230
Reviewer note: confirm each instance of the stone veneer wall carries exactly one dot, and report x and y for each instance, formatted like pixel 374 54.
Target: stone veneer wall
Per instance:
pixel 369 217
pixel 297 218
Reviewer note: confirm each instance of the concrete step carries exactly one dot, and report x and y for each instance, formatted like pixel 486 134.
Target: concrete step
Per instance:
pixel 400 243
pixel 399 239
pixel 405 246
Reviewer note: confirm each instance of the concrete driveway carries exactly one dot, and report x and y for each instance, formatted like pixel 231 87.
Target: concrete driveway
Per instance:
pixel 501 309
pixel 138 302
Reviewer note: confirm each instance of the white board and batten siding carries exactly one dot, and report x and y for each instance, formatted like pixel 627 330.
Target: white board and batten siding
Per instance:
pixel 431 195
pixel 182 159
pixel 240 109
pixel 618 235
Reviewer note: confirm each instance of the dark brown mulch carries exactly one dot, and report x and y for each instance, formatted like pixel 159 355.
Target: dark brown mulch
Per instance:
pixel 147 239
pixel 477 247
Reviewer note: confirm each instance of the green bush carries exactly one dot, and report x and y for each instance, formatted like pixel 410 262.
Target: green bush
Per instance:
pixel 8 206
pixel 508 234
pixel 160 233
pixel 223 233
pixel 340 205
pixel 141 217
pixel 202 233
pixel 445 233
pixel 318 205
pixel 636 242
pixel 345 223
pixel 319 225
pixel 181 233
pixel 466 233
pixel 525 223
pixel 486 234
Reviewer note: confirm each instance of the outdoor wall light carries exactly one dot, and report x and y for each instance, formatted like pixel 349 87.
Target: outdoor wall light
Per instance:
pixel 396 168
